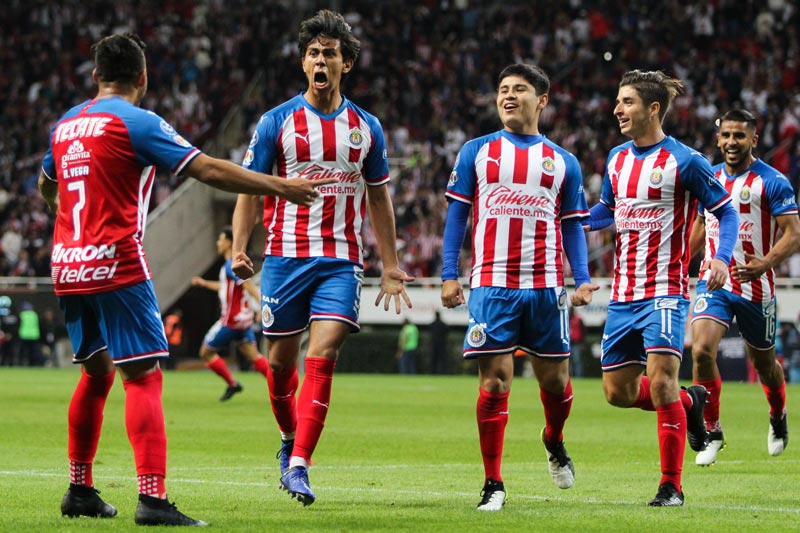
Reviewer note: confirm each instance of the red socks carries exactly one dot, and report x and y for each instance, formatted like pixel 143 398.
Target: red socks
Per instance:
pixel 492 414
pixel 776 399
pixel 262 366
pixel 282 388
pixel 85 419
pixel 711 411
pixel 644 401
pixel 671 441
pixel 312 405
pixel 144 420
pixel 556 411
pixel 217 364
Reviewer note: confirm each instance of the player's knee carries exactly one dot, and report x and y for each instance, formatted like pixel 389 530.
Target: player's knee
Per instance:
pixel 703 353
pixel 619 395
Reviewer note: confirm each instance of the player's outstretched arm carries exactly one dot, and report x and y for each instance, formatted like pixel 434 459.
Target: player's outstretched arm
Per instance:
pixel 228 176
pixel 393 279
pixel 245 216
pixel 49 191
pixel 197 281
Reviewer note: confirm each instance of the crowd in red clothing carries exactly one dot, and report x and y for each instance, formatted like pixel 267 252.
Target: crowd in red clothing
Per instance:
pixel 427 70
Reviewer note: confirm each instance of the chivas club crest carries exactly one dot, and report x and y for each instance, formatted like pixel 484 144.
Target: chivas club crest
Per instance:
pixel 657 178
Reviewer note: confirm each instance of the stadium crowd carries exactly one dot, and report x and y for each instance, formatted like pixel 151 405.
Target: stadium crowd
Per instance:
pixel 427 69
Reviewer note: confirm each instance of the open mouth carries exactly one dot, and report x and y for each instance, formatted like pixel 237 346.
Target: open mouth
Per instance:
pixel 320 79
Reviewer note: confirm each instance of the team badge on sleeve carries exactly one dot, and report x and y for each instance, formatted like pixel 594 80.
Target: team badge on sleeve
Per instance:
pixel 248 157
pixel 166 128
pixel 453 179
pixel 181 141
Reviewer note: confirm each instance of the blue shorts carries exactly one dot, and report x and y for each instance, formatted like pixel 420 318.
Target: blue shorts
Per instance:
pixel 634 329
pixel 502 320
pixel 126 322
pixel 220 336
pixel 295 291
pixel 756 320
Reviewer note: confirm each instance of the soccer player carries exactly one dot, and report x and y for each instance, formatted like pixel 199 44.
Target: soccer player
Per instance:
pixel 525 196
pixel 650 190
pixel 766 203
pixel 235 322
pixel 313 261
pixel 97 176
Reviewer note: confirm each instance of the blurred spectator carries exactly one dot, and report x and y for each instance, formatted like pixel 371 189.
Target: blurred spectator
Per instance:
pixel 438 63
pixel 52 331
pixel 173 327
pixel 30 350
pixel 9 325
pixel 407 345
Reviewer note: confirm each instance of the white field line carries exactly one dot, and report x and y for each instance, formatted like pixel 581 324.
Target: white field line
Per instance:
pixel 415 493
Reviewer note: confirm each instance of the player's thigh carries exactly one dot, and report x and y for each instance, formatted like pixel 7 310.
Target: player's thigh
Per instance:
pixel 286 286
pixel 544 330
pixel 622 344
pixel 716 306
pixel 495 318
pixel 83 326
pixel 664 324
pixel 757 322
pixel 131 323
pixel 336 295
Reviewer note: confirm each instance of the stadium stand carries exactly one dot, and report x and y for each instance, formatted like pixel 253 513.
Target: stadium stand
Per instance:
pixel 426 69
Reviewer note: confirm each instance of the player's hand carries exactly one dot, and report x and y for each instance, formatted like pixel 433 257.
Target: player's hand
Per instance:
pixel 583 294
pixel 752 270
pixel 302 191
pixel 717 275
pixel 197 281
pixel 242 265
pixel 452 293
pixel 392 286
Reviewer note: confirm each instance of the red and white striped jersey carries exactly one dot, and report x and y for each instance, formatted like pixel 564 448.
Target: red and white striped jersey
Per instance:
pixel 654 194
pixel 759 194
pixel 520 188
pixel 236 312
pixel 295 140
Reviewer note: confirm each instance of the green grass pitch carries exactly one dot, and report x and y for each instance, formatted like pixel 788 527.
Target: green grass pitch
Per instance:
pixel 399 453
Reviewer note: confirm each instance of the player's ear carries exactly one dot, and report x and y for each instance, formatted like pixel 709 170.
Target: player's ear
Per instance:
pixel 655 107
pixel 543 99
pixel 94 75
pixel 347 66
